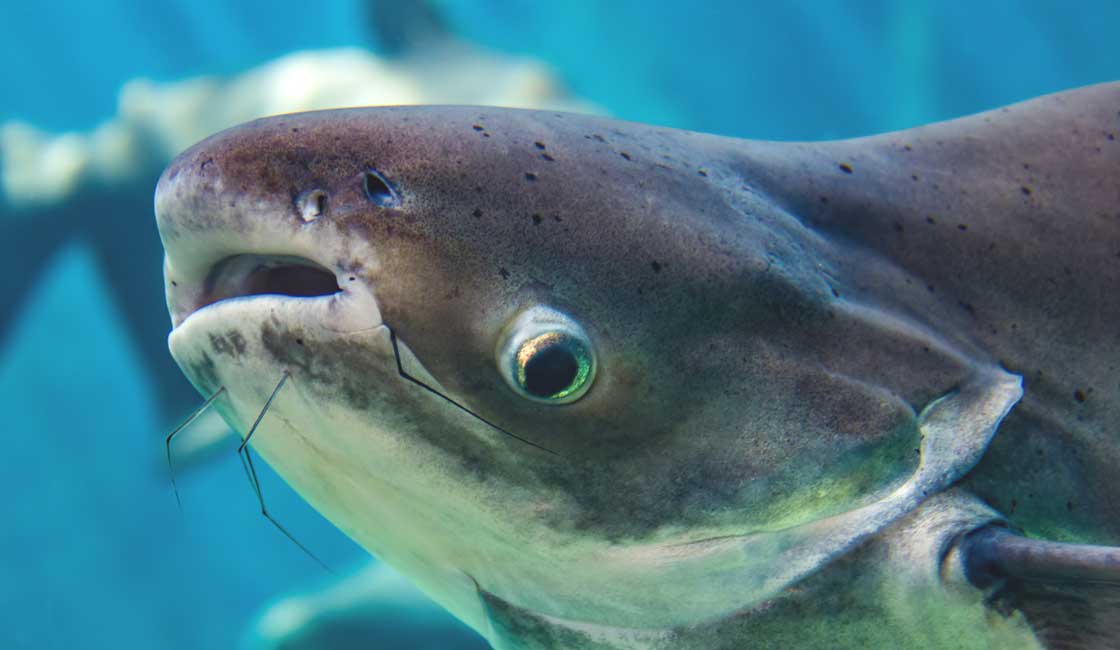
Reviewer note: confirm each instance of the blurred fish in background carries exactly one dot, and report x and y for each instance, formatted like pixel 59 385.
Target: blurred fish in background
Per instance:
pixel 99 96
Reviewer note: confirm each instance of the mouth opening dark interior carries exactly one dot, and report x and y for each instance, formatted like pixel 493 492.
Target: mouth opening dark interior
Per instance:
pixel 257 275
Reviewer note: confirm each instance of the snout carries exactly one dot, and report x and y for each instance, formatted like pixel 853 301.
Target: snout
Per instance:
pixel 243 216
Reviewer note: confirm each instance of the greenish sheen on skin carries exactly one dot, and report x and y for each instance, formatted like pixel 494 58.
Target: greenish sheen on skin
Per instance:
pixel 847 481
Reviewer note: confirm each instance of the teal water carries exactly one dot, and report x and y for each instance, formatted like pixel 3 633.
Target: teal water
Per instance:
pixel 95 552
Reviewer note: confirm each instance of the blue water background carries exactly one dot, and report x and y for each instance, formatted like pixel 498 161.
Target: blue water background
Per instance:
pixel 94 552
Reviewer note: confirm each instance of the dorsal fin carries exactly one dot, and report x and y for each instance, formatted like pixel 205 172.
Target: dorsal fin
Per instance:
pixel 1069 593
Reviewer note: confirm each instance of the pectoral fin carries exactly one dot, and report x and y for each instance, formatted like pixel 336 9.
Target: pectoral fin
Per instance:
pixel 1069 593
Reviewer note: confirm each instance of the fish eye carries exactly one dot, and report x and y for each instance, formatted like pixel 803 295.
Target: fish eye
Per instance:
pixel 546 356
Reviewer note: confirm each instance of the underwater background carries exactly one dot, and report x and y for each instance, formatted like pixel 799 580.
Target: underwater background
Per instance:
pixel 98 96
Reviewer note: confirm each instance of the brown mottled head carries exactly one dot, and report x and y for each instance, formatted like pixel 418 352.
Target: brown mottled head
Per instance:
pixel 586 367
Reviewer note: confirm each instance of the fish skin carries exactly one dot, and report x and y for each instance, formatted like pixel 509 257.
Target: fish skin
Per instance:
pixel 773 322
pixel 1023 257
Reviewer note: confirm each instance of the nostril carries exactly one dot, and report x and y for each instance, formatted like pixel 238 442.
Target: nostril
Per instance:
pixel 312 205
pixel 378 190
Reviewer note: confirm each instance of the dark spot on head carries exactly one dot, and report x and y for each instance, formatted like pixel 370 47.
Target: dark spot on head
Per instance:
pixel 174 283
pixel 846 168
pixel 702 172
pixel 352 278
pixel 656 266
pixel 547 157
pixel 536 219
pixel 477 213
pixel 624 155
pixel 538 145
pixel 530 176
pixel 1079 395
pixel 1026 190
pixel 477 127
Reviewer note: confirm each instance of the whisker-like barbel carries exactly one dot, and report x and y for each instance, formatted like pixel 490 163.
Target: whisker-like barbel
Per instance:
pixel 404 375
pixel 251 472
pixel 260 416
pixel 246 457
pixel 190 419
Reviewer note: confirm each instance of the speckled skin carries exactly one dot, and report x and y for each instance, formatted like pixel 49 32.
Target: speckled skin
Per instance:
pixel 770 321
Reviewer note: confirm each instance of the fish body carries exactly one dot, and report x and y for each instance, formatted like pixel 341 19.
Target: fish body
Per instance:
pixel 593 384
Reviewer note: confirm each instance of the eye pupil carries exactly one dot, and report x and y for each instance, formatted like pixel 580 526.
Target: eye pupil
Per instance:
pixel 550 371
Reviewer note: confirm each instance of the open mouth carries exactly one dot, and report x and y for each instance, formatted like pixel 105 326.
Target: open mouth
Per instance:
pixel 247 275
pixel 304 289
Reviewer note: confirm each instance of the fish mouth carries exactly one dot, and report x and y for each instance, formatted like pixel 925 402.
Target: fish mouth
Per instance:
pixel 246 275
pixel 273 284
pixel 339 298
